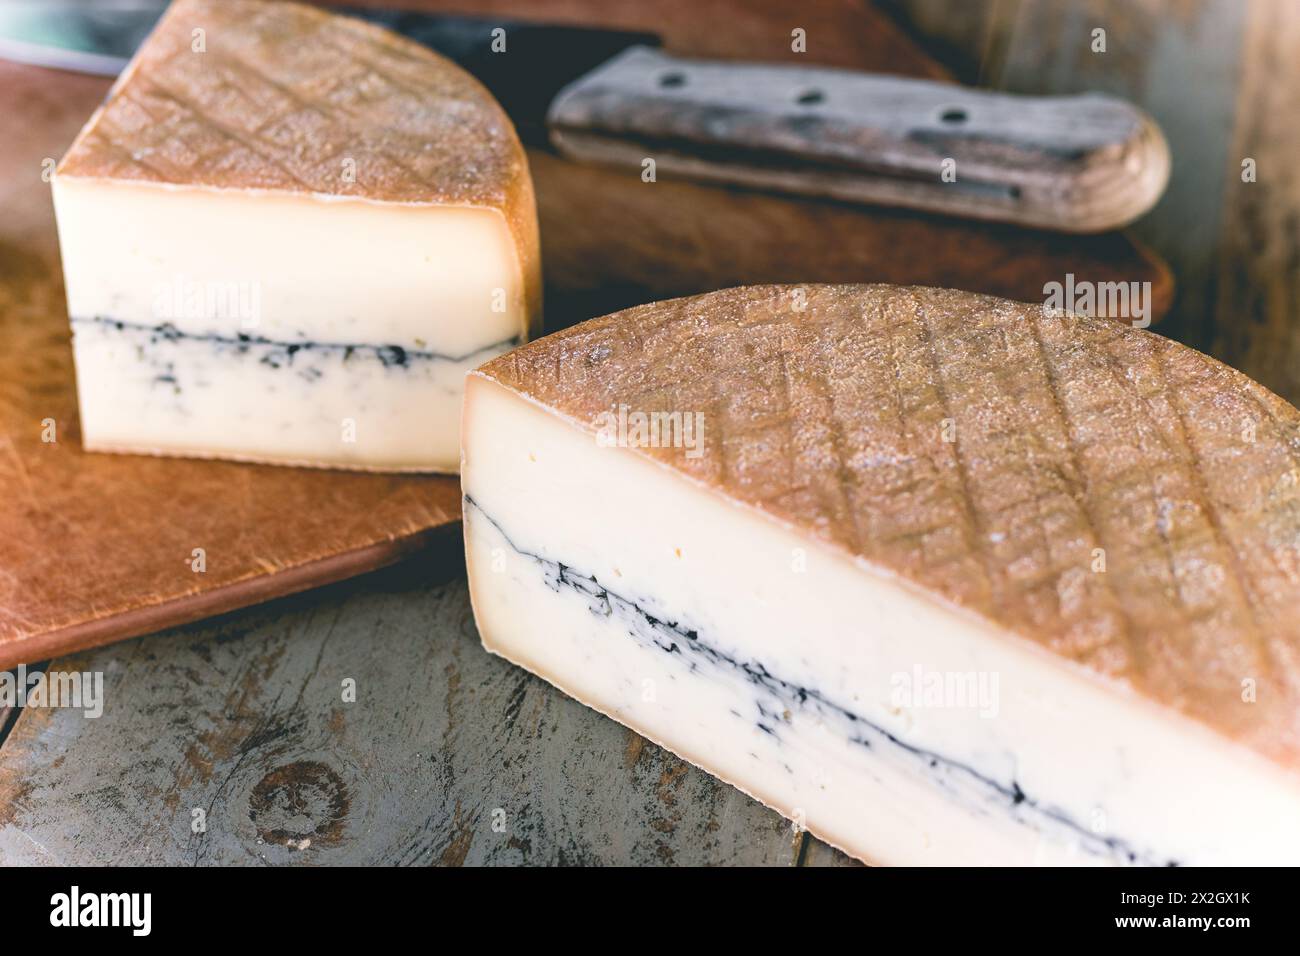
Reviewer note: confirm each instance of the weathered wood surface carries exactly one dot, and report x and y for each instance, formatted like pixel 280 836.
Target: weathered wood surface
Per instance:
pixel 1070 163
pixel 1254 323
pixel 447 756
pixel 8 715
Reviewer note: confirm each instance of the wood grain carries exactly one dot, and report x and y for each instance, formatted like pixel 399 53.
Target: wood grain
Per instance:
pixel 1258 270
pixel 1084 163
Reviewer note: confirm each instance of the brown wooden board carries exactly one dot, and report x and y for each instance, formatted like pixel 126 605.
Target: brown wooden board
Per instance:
pixel 94 548
pixel 610 241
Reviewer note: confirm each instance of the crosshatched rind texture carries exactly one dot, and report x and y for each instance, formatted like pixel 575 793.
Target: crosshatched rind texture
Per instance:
pixel 282 94
pixel 985 451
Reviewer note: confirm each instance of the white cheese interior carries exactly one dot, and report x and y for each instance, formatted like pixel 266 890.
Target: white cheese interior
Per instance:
pixel 685 617
pixel 281 328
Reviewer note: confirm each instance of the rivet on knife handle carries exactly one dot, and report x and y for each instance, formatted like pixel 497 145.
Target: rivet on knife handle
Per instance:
pixel 1074 163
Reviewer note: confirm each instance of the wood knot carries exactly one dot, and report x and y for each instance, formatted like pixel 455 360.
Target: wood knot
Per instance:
pixel 299 804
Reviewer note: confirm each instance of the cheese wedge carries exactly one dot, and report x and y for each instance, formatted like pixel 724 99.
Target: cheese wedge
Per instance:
pixel 286 237
pixel 944 578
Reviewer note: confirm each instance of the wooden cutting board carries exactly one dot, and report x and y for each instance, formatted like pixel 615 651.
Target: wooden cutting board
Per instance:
pixel 96 548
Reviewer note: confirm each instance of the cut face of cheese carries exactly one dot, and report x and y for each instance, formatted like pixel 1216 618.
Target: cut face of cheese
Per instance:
pixel 291 244
pixel 940 577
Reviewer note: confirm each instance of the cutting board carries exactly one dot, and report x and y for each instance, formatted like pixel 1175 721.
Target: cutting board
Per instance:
pixel 96 548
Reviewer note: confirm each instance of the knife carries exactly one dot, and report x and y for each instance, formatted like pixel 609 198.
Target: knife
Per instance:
pixel 1083 163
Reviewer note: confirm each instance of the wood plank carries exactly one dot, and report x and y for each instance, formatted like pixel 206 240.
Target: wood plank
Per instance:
pixel 243 718
pixel 1258 270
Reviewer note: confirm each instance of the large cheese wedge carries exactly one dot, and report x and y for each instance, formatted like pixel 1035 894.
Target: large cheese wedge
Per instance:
pixel 286 237
pixel 943 578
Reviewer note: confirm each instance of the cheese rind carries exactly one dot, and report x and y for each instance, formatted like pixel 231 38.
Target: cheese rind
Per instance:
pixel 713 619
pixel 316 212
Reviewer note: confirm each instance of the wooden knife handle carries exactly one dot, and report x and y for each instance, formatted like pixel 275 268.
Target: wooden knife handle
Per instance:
pixel 1073 163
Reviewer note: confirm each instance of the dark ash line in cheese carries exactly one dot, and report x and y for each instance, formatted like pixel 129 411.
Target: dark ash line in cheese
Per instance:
pixel 282 353
pixel 959 779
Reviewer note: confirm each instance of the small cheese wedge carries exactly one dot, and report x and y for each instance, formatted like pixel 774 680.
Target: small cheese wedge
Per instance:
pixel 286 237
pixel 943 578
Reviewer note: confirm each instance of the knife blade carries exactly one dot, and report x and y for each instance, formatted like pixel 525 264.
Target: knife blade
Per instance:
pixel 1082 163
